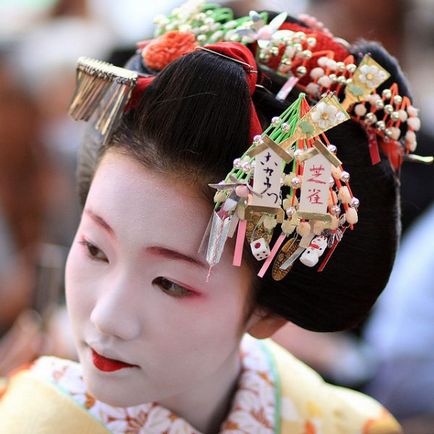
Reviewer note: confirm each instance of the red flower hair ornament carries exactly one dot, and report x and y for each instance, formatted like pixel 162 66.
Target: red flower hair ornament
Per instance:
pixel 158 53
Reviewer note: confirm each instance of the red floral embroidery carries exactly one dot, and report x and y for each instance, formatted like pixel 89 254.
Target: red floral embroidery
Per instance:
pixel 168 47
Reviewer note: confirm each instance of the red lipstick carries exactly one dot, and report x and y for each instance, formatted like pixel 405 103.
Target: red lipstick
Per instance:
pixel 108 365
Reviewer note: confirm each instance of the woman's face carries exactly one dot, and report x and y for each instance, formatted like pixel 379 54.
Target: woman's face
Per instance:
pixel 137 290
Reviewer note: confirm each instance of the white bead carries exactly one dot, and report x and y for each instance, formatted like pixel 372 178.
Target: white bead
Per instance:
pixel 285 127
pixel 351 216
pixel 387 93
pixel 306 54
pixel 301 70
pixel 340 66
pixel 345 176
pixel 317 73
pixel 370 118
pixel 296 182
pixel 300 35
pixel 410 138
pixel 397 99
pixel 312 89
pixel 275 121
pixel 290 211
pixel 412 146
pixel 403 116
pixel 360 110
pixel 355 203
pixel 324 81
pixel 311 41
pixel 344 195
pixel 341 80
pixel 394 116
pixel 388 108
pixel 331 64
pixel 322 61
pixel 396 132
pixel 414 123
pixel 246 167
pixel 351 67
pixel 373 98
pixel 335 210
pixel 412 111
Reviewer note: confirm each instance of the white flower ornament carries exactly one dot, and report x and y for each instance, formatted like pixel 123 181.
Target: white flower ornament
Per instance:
pixel 371 76
pixel 326 115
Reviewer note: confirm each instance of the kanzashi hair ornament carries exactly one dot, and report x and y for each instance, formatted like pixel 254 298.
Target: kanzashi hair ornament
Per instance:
pixel 289 158
pixel 102 93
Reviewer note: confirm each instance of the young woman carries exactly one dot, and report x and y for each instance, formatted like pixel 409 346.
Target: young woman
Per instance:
pixel 166 345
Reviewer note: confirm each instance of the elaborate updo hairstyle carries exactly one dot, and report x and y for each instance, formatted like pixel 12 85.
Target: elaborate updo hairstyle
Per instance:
pixel 193 121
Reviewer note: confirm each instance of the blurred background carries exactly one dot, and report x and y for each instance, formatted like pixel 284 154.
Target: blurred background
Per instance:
pixel 391 356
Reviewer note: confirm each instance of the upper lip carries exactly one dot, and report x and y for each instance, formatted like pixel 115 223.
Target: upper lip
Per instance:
pixel 107 353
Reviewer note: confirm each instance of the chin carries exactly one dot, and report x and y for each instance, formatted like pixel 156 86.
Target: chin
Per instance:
pixel 113 395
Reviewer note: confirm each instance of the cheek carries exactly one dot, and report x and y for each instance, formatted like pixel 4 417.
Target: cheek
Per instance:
pixel 206 323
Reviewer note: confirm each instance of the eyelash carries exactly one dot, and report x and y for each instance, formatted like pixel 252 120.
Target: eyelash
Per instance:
pixel 93 251
pixel 165 285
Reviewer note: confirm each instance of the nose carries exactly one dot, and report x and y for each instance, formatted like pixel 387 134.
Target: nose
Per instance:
pixel 114 313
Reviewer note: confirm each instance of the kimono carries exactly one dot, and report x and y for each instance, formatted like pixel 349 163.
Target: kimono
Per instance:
pixel 276 394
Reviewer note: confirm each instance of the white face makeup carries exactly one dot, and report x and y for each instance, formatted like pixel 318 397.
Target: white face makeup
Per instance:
pixel 137 292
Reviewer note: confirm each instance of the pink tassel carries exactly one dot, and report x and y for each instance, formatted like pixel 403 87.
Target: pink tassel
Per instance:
pixel 239 245
pixel 273 253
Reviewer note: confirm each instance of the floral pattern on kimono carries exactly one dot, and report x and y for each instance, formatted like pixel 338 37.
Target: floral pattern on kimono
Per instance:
pixel 252 410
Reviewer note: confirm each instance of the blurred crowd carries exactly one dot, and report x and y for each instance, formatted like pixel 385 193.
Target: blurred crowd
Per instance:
pixel 391 356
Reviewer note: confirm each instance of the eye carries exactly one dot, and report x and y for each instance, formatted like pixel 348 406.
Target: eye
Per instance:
pixel 94 252
pixel 172 288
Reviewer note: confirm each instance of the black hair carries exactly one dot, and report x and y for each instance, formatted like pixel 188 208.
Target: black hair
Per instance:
pixel 194 121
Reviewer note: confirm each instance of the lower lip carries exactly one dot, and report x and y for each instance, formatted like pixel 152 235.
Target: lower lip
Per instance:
pixel 108 365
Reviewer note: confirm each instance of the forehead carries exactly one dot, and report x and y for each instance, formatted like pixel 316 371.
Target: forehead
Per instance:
pixel 136 198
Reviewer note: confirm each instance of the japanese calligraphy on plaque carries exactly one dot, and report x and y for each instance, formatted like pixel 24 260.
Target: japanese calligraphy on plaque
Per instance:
pixel 266 179
pixel 315 185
